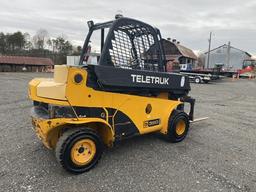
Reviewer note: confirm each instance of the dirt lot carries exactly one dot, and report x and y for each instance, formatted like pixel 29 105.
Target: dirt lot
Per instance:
pixel 218 155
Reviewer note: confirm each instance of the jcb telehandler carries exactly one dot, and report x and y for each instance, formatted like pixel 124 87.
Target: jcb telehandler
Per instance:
pixel 126 92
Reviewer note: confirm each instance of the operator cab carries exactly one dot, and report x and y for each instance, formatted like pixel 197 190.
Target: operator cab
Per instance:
pixel 129 59
pixel 249 63
pixel 125 45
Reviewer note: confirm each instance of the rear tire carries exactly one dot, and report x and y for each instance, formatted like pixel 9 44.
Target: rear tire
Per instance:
pixel 79 150
pixel 178 126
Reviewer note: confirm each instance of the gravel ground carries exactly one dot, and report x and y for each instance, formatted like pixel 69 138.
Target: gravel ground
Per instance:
pixel 219 154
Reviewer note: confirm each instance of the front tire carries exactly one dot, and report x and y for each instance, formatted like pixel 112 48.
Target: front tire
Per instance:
pixel 79 150
pixel 178 126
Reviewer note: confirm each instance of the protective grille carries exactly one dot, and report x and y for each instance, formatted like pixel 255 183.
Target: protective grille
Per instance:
pixel 129 48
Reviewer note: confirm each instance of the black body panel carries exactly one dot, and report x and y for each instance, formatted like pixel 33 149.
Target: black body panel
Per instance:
pixel 118 79
pixel 124 127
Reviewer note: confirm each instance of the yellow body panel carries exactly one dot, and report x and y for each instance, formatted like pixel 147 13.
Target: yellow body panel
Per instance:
pixel 80 95
pixel 54 88
pixel 60 73
pixel 50 89
pixel 131 105
pixel 48 130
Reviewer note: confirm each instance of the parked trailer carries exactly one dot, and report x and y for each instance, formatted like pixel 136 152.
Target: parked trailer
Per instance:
pixel 198 77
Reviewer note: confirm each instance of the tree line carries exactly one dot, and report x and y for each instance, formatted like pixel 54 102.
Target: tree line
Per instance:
pixel 39 45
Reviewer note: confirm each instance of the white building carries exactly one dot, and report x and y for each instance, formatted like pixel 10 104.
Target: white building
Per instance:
pixel 74 60
pixel 229 57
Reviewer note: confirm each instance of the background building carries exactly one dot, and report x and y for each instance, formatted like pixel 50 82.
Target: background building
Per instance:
pixel 230 57
pixel 177 55
pixel 29 64
pixel 182 54
pixel 93 59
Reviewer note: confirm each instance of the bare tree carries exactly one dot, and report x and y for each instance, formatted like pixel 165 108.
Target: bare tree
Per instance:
pixel 40 38
pixel 28 44
pixel 49 44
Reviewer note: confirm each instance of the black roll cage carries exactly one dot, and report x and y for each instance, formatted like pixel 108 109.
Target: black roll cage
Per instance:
pixel 113 25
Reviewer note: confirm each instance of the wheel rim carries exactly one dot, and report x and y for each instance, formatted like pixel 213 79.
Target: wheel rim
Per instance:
pixel 83 152
pixel 180 127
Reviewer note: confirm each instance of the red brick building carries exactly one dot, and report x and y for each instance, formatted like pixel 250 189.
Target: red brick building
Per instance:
pixel 25 64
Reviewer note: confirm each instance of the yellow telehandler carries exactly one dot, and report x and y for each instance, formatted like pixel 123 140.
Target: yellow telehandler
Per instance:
pixel 121 91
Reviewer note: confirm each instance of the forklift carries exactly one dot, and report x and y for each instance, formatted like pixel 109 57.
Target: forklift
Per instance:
pixel 126 92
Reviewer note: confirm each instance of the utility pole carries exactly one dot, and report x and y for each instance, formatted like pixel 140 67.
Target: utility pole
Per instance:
pixel 228 55
pixel 209 49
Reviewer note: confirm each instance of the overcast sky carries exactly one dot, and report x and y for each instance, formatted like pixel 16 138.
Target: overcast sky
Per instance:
pixel 188 21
